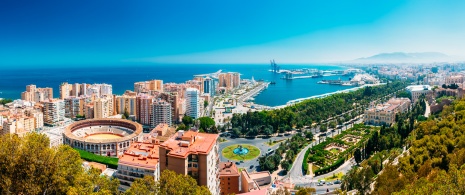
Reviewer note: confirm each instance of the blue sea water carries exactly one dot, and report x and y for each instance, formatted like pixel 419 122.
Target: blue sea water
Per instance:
pixel 14 80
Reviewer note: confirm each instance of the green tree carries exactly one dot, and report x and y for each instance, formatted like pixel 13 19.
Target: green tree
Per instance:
pixel 187 120
pixel 306 191
pixel 206 123
pixel 146 185
pixel 205 104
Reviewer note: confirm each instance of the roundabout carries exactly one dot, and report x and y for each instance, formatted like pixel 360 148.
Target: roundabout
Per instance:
pixel 240 152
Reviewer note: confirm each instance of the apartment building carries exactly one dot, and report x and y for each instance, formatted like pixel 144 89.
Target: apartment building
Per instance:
pixel 65 90
pixel 148 86
pixel 144 108
pixel 35 94
pixel 229 178
pixel 18 125
pixel 160 113
pixel 54 111
pixel 139 160
pixel 229 80
pixel 127 102
pixel 192 103
pixel 103 107
pixel 195 154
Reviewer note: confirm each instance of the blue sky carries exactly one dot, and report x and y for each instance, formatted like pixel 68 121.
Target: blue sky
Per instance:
pixel 211 31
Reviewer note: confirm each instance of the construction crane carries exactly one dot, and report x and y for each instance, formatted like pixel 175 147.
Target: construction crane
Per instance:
pixel 274 66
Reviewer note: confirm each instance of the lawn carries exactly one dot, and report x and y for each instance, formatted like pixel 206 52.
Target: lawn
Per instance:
pixel 110 162
pixel 228 152
pixel 335 177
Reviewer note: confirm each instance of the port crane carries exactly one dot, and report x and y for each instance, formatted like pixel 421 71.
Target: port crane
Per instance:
pixel 274 66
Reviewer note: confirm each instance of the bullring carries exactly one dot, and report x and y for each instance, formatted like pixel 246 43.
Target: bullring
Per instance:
pixel 108 137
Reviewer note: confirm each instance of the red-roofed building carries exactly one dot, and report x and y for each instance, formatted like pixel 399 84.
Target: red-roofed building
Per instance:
pixel 140 159
pixel 195 154
pixel 229 178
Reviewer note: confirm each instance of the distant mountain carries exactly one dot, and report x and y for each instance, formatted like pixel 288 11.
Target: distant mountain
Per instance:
pixel 399 57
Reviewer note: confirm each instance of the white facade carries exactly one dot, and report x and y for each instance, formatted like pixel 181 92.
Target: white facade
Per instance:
pixel 54 112
pixel 213 181
pixel 126 174
pixel 417 90
pixel 192 102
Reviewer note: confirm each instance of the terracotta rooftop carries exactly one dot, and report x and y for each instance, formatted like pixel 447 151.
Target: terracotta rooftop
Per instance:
pixel 141 154
pixel 228 169
pixel 201 143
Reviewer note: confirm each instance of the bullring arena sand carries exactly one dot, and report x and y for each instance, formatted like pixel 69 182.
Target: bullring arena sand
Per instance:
pixel 103 136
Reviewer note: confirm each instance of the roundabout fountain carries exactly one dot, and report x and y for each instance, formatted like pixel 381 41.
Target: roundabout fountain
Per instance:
pixel 240 152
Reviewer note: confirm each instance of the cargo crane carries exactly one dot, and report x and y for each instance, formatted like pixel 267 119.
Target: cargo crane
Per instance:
pixel 274 66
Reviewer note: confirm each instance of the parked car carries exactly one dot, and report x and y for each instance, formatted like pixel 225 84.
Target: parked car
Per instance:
pixel 329 183
pixel 241 161
pixel 251 166
pixel 319 184
pixel 237 163
pixel 337 182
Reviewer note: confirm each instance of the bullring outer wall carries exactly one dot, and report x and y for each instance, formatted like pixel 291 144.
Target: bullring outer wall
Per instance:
pixel 111 147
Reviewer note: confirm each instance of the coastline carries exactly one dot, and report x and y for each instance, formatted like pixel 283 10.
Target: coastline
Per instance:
pixel 296 101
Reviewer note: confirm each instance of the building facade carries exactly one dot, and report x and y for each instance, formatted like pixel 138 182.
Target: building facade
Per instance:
pixel 161 113
pixel 54 111
pixel 139 160
pixel 192 103
pixel 229 178
pixel 195 154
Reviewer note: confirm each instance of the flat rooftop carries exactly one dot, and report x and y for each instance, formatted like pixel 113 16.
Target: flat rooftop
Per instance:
pixel 141 154
pixel 182 143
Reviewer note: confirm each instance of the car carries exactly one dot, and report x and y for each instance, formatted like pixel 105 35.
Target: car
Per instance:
pixel 241 161
pixel 251 166
pixel 329 183
pixel 337 182
pixel 237 163
pixel 319 184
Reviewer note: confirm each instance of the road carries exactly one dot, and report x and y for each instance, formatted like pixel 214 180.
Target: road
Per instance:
pixel 296 173
pixel 427 109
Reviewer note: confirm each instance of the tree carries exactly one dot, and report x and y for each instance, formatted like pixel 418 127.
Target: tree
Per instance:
pixel 323 128
pixel 309 135
pixel 29 166
pixel 146 185
pixel 172 183
pixel 187 120
pixel 358 156
pixel 125 114
pixel 285 165
pixel 205 104
pixel 206 123
pixel 5 101
pixel 181 127
pixel 306 191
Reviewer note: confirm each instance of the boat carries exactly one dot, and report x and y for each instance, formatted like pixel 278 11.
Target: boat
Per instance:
pixel 272 82
pixel 322 82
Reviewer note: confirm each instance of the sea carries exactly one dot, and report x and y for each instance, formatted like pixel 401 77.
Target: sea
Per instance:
pixel 13 80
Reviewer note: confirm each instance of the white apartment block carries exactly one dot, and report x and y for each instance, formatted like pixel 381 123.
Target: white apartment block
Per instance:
pixel 54 111
pixel 192 102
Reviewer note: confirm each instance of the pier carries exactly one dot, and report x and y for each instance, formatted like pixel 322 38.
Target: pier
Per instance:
pixel 254 92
